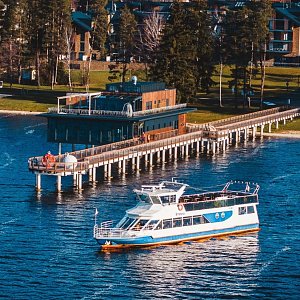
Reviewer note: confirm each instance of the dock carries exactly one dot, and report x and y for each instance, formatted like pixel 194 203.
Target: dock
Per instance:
pixel 208 138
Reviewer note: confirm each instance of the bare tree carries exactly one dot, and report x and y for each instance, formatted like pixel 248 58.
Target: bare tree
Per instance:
pixel 150 36
pixel 69 34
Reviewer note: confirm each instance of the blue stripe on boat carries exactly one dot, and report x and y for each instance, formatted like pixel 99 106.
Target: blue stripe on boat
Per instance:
pixel 140 241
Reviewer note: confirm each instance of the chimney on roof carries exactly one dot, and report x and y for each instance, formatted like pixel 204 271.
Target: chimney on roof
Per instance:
pixel 134 80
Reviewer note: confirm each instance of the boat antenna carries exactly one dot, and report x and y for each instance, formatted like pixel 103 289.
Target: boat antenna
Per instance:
pixel 174 179
pixel 96 213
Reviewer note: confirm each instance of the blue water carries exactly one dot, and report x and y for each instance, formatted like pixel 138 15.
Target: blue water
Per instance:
pixel 47 250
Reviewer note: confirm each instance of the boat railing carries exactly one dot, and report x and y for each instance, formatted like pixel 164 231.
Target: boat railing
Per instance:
pixel 106 224
pixel 212 203
pixel 102 232
pixel 106 230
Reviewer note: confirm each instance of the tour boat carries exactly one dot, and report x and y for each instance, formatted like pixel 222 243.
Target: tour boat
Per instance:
pixel 166 214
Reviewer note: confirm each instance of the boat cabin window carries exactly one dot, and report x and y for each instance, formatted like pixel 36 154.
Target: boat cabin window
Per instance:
pixel 187 221
pixel 250 210
pixel 177 222
pixel 168 199
pixel 167 223
pixel 196 220
pixel 127 222
pixel 151 224
pixel 144 198
pixel 159 226
pixel 155 200
pixel 242 210
pixel 139 225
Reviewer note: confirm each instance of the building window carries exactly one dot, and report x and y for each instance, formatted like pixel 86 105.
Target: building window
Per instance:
pixel 81 46
pixel 149 105
pixel 167 102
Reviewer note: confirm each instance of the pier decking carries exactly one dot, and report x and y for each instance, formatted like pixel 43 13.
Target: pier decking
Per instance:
pixel 210 137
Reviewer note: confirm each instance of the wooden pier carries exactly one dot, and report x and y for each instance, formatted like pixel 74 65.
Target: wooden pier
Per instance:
pixel 210 138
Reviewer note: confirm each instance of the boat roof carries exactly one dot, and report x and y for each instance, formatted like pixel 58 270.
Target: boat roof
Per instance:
pixel 165 187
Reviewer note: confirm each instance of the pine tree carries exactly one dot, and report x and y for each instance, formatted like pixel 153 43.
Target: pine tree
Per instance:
pixel 100 26
pixel 173 60
pixel 238 45
pixel 261 12
pixel 127 33
pixel 184 59
pixel 98 34
pixel 202 37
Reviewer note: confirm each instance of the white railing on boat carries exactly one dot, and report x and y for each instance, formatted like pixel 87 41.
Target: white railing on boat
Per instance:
pixel 101 232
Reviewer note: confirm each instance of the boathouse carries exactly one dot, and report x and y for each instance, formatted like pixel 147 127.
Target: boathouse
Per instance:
pixel 123 111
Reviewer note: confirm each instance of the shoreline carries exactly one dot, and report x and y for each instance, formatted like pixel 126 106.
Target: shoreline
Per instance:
pixel 292 134
pixel 20 112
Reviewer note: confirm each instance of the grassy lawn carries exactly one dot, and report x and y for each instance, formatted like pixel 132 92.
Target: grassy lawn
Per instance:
pixel 23 104
pixel 211 113
pixel 293 126
pixel 33 98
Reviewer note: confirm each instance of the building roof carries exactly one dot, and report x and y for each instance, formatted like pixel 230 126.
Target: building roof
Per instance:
pixel 82 21
pixel 138 87
pixel 293 14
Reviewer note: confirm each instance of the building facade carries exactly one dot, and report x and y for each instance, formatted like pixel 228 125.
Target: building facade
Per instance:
pixel 124 111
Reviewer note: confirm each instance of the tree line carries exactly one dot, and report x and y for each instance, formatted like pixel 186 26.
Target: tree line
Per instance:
pixel 182 50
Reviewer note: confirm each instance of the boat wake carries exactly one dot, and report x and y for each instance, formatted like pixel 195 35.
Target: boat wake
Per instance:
pixel 280 177
pixel 7 116
pixel 9 222
pixel 34 126
pixel 30 131
pixel 273 258
pixel 8 160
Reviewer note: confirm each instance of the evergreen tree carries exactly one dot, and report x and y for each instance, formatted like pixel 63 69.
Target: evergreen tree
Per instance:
pixel 58 21
pixel 37 28
pixel 98 34
pixel 100 26
pixel 261 12
pixel 184 59
pixel 13 38
pixel 202 37
pixel 238 45
pixel 173 60
pixel 127 33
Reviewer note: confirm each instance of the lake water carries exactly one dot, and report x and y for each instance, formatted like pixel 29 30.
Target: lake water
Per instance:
pixel 47 249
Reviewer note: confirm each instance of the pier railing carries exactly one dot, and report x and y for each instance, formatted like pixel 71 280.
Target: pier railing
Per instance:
pixel 221 124
pixel 267 118
pixel 102 155
pixel 114 113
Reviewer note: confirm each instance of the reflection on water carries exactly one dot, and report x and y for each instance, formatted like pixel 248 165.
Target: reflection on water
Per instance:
pixel 215 267
pixel 47 249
